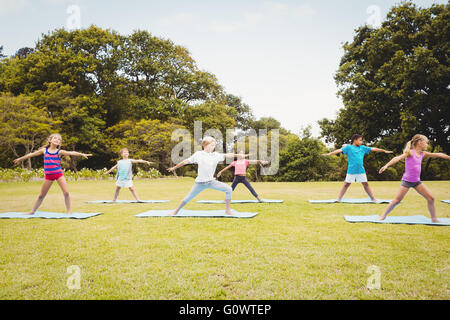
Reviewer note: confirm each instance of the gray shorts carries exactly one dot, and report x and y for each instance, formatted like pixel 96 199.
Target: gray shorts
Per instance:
pixel 408 184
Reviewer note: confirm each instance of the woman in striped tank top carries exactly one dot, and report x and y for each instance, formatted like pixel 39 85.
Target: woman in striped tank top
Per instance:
pixel 52 168
pixel 413 155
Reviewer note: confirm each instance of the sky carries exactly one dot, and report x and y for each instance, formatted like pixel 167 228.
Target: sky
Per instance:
pixel 279 56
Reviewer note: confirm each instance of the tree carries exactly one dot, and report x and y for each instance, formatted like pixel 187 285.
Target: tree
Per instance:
pixel 23 52
pixel 80 118
pixel 268 123
pixel 25 127
pixel 244 115
pixel 2 68
pixel 301 160
pixel 394 80
pixel 213 115
pixel 137 76
pixel 158 68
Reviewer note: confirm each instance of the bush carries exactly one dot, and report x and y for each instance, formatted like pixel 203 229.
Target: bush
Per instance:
pixel 148 174
pixel 19 174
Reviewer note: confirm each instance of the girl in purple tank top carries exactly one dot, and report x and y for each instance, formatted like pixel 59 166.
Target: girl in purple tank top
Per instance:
pixel 52 168
pixel 413 154
pixel 413 166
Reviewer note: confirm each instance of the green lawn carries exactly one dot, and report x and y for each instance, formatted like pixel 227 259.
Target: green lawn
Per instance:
pixel 293 250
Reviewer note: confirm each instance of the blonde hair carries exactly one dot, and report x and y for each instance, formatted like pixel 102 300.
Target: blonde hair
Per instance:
pixel 413 142
pixel 122 150
pixel 50 138
pixel 207 140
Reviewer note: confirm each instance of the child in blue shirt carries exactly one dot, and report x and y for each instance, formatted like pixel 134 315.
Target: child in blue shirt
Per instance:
pixel 355 153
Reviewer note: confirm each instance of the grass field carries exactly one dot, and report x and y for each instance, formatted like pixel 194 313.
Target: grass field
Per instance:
pixel 293 250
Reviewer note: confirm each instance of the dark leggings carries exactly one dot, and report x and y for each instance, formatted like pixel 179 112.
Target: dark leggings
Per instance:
pixel 242 179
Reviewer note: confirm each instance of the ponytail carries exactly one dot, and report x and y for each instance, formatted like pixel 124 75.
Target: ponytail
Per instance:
pixel 408 148
pixel 412 143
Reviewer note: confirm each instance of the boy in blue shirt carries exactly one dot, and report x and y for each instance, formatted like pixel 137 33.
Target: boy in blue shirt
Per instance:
pixel 355 172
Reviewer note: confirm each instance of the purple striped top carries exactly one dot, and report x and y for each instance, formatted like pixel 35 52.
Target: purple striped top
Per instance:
pixel 52 163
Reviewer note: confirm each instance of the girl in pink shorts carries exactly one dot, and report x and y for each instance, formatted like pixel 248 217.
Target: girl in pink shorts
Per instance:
pixel 52 168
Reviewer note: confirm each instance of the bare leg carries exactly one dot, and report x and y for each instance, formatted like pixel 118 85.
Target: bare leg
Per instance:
pixel 196 189
pixel 181 205
pixel 65 189
pixel 343 191
pixel 116 194
pixel 368 191
pixel 133 191
pixel 45 187
pixel 398 198
pixel 425 192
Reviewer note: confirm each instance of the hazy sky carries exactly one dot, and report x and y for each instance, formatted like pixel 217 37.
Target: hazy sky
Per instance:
pixel 278 56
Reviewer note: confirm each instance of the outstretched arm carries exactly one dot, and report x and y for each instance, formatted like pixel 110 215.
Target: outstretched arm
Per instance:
pixel 223 170
pixel 263 162
pixel 141 161
pixel 29 155
pixel 113 168
pixel 436 155
pixel 393 161
pixel 182 163
pixel 379 150
pixel 332 153
pixel 74 153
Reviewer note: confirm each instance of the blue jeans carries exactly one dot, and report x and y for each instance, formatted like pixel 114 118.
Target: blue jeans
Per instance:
pixel 213 184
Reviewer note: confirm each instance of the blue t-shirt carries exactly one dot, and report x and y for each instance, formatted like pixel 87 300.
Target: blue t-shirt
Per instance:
pixel 355 156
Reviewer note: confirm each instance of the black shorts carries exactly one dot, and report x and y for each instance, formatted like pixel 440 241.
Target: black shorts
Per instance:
pixel 408 184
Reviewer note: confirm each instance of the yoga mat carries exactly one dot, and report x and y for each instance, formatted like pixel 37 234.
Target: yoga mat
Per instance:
pixel 48 215
pixel 128 201
pixel 344 200
pixel 196 213
pixel 241 201
pixel 446 201
pixel 399 220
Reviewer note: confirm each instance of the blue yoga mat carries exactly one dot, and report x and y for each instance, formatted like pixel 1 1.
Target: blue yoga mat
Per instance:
pixel 196 213
pixel 399 220
pixel 128 201
pixel 446 201
pixel 48 215
pixel 344 200
pixel 241 201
